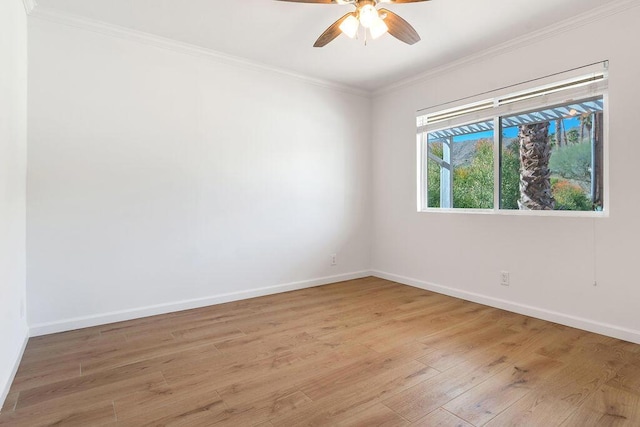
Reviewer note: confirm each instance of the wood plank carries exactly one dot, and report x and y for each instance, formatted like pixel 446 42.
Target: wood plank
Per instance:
pixel 344 404
pixel 212 333
pixel 609 406
pixel 92 388
pixel 441 418
pixel 263 343
pixel 229 375
pixel 483 402
pixel 138 352
pixel 426 397
pixel 80 415
pixel 454 351
pixel 261 388
pixel 627 377
pixel 362 370
pixel 257 411
pixel 411 327
pixel 9 404
pixel 325 316
pixel 191 321
pixel 43 350
pixel 296 376
pixel 377 415
pixel 186 412
pixel 30 376
pixel 557 397
pixel 62 337
pixel 100 351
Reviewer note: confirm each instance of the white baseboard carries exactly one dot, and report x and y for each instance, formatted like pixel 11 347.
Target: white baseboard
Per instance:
pixel 119 316
pixel 16 364
pixel 527 310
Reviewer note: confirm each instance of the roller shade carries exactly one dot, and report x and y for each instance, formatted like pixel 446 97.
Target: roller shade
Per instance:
pixel 581 93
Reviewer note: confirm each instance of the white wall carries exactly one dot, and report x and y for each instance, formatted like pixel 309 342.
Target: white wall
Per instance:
pixel 158 177
pixel 160 180
pixel 551 259
pixel 13 149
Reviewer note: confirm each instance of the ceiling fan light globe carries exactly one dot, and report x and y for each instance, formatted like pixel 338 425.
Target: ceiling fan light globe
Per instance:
pixel 378 28
pixel 349 26
pixel 368 15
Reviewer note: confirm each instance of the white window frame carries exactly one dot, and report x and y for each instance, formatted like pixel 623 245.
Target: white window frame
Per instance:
pixel 492 106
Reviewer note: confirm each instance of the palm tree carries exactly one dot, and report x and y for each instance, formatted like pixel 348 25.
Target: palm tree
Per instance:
pixel 586 122
pixel 559 133
pixel 535 181
pixel 597 177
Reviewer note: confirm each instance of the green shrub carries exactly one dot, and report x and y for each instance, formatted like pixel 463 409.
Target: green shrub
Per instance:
pixel 433 177
pixel 510 179
pixel 569 196
pixel 473 184
pixel 572 161
pixel 573 136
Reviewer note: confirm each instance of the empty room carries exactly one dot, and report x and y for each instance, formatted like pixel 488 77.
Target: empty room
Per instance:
pixel 319 212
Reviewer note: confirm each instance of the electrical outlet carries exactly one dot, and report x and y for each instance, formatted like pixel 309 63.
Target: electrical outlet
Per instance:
pixel 504 278
pixel 334 259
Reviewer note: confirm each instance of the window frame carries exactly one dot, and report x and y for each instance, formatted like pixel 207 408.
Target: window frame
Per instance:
pixel 597 89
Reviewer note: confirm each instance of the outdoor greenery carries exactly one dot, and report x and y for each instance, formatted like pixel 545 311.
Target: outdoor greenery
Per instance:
pixel 569 197
pixel 433 178
pixel 572 161
pixel 510 178
pixel 573 136
pixel 472 184
pixel 570 165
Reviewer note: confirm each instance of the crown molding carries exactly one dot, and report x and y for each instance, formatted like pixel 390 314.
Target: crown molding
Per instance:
pixel 612 8
pixel 29 5
pixel 589 17
pixel 183 48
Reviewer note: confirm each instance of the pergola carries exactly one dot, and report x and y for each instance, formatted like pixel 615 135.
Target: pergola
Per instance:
pixel 556 113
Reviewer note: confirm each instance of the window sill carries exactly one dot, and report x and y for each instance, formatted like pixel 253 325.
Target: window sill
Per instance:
pixel 510 212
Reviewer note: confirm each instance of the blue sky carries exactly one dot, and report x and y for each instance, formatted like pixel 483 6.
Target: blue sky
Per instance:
pixel 512 132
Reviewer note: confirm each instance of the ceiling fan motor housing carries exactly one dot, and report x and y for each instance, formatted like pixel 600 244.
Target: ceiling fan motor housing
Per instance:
pixel 378 22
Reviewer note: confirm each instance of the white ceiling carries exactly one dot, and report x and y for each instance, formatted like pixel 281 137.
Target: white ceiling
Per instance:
pixel 281 34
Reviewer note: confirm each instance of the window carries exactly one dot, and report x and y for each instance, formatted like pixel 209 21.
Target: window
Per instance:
pixel 541 149
pixel 460 161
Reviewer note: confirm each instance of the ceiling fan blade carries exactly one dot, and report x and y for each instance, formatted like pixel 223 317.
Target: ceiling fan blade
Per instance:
pixel 310 1
pixel 399 28
pixel 332 32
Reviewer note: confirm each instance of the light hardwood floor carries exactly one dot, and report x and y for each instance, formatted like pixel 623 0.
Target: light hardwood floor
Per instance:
pixel 366 352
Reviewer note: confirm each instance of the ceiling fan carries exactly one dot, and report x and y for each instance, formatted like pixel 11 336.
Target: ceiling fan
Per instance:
pixel 377 21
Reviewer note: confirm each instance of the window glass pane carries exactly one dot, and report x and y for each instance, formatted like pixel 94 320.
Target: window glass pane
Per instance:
pixel 460 167
pixel 473 173
pixel 433 174
pixel 552 158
